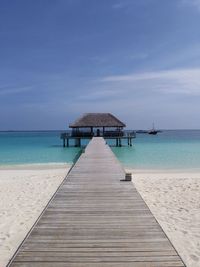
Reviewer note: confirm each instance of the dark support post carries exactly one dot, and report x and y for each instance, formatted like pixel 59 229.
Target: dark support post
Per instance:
pixel 130 141
pixel 76 142
pixel 120 143
pixel 67 142
pixel 116 141
pixel 63 141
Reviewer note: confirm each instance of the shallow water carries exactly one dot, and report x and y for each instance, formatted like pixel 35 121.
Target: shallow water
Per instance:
pixel 34 147
pixel 167 150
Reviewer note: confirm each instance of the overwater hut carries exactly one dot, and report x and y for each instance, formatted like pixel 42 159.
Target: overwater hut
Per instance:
pixel 97 124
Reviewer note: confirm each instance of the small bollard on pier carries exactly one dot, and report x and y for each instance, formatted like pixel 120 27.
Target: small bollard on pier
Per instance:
pixel 128 177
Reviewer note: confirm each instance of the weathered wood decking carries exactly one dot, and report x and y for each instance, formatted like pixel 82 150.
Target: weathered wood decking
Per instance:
pixel 96 220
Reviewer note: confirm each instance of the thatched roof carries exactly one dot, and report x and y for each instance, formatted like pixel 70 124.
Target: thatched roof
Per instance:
pixel 97 120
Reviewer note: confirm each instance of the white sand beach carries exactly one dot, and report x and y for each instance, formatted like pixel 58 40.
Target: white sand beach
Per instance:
pixel 174 199
pixel 24 192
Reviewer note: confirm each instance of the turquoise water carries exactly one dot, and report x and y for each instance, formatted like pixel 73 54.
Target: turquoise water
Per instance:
pixel 168 150
pixel 34 147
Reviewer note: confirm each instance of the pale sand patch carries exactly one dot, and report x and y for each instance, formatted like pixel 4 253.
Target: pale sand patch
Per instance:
pixel 24 193
pixel 174 199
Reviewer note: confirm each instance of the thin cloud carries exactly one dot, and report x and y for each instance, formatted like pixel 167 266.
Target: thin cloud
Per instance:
pixel 5 90
pixel 98 59
pixel 118 5
pixel 139 56
pixel 193 3
pixel 179 81
pixel 122 4
pixel 98 95
pixel 126 4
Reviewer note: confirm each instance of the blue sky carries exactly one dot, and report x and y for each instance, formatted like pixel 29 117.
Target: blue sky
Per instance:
pixel 138 59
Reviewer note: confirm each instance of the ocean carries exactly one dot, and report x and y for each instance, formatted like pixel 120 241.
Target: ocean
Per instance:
pixel 171 149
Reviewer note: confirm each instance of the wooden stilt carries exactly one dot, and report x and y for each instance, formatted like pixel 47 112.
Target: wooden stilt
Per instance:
pixel 76 142
pixel 117 142
pixel 63 142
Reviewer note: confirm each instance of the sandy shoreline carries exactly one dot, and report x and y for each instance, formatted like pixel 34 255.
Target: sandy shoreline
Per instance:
pixel 35 166
pixel 24 192
pixel 173 197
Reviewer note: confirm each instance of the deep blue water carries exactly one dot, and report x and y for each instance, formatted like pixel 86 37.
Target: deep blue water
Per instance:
pixel 168 150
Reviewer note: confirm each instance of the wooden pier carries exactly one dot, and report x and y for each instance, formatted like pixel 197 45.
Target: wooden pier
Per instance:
pixel 96 219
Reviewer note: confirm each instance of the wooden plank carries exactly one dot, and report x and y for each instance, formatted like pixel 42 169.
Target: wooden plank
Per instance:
pixel 95 220
pixel 105 264
pixel 94 254
pixel 102 258
pixel 62 247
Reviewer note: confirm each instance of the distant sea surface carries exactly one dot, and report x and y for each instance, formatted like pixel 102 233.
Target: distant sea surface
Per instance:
pixel 171 149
